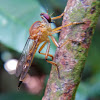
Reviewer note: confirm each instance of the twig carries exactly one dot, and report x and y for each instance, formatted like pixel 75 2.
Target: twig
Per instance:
pixel 71 57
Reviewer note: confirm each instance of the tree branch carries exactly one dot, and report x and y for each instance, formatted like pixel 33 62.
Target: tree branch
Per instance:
pixel 71 57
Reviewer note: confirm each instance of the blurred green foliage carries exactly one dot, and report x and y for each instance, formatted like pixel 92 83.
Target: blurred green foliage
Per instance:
pixel 19 96
pixel 16 17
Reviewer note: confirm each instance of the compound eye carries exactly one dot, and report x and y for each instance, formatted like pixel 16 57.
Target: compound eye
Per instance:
pixel 48 18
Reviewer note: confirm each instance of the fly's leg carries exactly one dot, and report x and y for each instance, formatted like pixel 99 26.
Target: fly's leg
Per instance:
pixel 42 47
pixel 54 41
pixel 55 30
pixel 73 23
pixel 44 53
pixel 47 54
pixel 57 17
pixel 52 62
pixel 64 43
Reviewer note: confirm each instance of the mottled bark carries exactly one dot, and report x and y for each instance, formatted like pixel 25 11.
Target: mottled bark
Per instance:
pixel 71 57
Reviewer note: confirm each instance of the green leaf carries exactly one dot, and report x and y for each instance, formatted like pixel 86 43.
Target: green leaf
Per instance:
pixel 16 17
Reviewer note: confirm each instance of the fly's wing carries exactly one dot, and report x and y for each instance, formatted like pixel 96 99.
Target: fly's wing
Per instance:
pixel 21 69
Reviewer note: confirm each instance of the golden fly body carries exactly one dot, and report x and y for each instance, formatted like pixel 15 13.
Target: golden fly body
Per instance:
pixel 38 33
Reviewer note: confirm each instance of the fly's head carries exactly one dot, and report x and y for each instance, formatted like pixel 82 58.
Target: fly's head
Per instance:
pixel 45 17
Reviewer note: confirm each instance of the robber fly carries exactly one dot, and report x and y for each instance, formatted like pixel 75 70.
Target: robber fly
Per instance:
pixel 38 33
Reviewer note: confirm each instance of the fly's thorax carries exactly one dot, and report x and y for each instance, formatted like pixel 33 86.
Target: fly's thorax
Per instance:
pixel 47 28
pixel 40 30
pixel 45 32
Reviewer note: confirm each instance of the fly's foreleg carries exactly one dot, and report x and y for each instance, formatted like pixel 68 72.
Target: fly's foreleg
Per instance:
pixel 57 17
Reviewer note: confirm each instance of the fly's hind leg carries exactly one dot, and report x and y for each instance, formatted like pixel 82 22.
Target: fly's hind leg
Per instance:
pixel 53 63
pixel 46 56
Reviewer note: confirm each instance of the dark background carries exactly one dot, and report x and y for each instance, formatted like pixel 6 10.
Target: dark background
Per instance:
pixel 16 17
